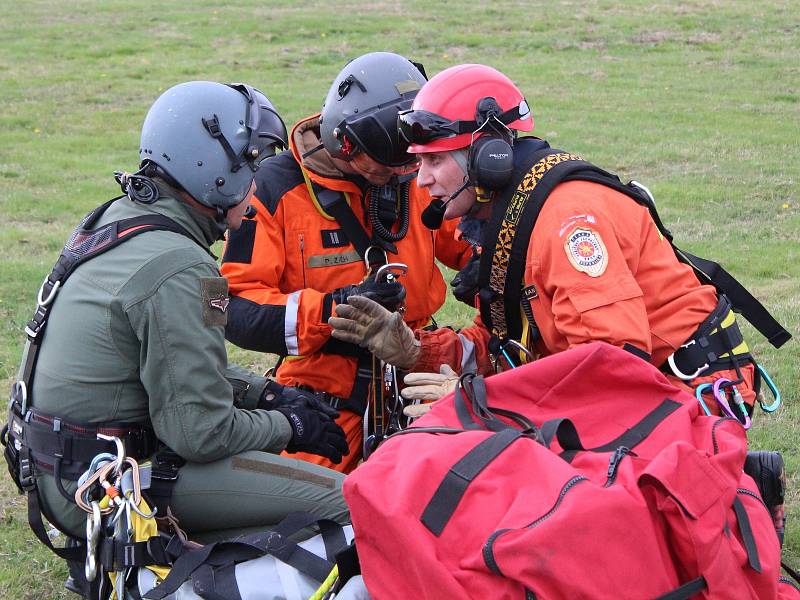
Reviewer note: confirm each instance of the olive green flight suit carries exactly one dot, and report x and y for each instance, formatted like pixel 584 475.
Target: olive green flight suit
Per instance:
pixel 134 337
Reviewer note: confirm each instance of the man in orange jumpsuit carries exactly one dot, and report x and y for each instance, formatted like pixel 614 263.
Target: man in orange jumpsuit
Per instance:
pixel 596 267
pixel 564 261
pixel 301 256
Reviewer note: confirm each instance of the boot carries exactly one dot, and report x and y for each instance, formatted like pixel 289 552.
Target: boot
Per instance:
pixel 768 471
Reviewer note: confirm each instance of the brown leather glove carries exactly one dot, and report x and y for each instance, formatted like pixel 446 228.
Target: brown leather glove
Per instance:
pixel 430 386
pixel 366 323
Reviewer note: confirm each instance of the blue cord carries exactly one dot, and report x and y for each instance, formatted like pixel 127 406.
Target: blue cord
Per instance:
pixel 508 358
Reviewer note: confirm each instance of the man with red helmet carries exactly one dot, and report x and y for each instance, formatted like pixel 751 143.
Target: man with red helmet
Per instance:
pixel 568 255
pixel 589 264
pixel 329 213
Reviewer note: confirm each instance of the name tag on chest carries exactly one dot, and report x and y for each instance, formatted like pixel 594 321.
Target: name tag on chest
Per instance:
pixel 330 260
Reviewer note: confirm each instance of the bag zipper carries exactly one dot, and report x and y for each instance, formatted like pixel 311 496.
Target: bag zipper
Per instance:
pixel 752 494
pixel 714 431
pixel 613 463
pixel 302 257
pixel 488 551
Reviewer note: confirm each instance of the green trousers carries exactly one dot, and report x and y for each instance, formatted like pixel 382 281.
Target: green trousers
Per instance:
pixel 240 494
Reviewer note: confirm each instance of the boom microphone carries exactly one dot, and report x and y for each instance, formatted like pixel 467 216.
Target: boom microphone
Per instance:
pixel 433 215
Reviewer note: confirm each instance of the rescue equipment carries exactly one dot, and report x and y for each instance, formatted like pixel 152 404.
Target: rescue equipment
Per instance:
pixel 125 553
pixel 587 461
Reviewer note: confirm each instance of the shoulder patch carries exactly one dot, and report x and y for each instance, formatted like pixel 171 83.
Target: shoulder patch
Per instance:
pixel 586 251
pixel 275 177
pixel 215 299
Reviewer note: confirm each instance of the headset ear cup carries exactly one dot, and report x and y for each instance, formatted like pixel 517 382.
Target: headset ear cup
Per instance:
pixel 491 162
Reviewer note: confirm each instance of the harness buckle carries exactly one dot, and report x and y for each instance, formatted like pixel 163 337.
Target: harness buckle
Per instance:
pixel 27 478
pixel 680 374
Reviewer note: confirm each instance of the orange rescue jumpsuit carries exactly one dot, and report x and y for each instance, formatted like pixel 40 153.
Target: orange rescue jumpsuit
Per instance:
pixel 602 272
pixel 282 264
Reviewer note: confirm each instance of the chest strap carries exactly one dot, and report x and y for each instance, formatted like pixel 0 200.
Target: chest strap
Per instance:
pixel 508 233
pixel 502 268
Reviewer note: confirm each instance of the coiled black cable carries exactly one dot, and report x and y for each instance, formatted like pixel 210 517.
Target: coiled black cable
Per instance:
pixel 137 187
pixel 375 196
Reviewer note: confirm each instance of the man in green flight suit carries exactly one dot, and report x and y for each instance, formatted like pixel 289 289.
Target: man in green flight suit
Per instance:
pixel 135 340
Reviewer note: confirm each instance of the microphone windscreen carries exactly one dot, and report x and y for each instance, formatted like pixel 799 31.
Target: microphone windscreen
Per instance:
pixel 250 212
pixel 433 215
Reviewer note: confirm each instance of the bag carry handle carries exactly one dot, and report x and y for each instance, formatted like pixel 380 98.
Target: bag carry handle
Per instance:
pixel 477 414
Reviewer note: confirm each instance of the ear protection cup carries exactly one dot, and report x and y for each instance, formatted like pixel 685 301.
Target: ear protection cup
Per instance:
pixel 491 157
pixel 491 161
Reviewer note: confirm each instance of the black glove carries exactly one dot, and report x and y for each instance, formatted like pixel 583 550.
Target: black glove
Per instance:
pixel 388 293
pixel 276 395
pixel 313 427
pixel 465 283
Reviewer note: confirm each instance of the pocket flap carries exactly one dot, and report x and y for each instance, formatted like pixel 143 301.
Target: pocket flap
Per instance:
pixel 689 476
pixel 602 292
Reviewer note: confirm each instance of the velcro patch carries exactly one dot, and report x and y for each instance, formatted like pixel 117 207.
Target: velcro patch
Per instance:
pixel 334 238
pixel 214 294
pixel 586 251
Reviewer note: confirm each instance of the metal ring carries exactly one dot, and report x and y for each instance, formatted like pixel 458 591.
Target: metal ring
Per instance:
pixel 50 296
pixel 366 255
pixel 698 393
pixel 680 374
pixel 776 394
pixel 521 348
pixel 93 522
pixel 120 451
pixel 22 387
pixel 388 266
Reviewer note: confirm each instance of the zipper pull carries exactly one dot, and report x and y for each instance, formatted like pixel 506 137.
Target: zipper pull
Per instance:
pixel 302 241
pixel 613 463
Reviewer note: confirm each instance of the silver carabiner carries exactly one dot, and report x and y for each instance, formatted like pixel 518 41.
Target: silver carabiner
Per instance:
pixel 391 267
pixel 50 296
pixel 120 452
pixel 521 348
pixel 92 536
pixel 680 374
pixel 22 388
pixel 366 256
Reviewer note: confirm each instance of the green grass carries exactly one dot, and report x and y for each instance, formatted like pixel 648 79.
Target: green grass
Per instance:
pixel 699 100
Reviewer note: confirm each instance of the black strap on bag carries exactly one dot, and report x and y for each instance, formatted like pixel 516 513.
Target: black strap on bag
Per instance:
pixel 452 488
pixel 212 567
pixel 565 432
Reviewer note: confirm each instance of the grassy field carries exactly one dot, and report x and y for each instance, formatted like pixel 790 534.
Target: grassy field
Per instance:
pixel 699 100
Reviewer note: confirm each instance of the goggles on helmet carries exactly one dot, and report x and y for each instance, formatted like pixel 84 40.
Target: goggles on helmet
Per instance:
pixel 267 130
pixel 422 127
pixel 374 132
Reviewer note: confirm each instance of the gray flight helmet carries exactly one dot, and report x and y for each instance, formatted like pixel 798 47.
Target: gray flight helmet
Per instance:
pixel 209 139
pixel 360 110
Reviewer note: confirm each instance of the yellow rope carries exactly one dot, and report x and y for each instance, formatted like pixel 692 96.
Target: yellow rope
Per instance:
pixel 327 584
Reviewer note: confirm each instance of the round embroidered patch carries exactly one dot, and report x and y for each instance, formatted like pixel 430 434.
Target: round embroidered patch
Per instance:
pixel 586 251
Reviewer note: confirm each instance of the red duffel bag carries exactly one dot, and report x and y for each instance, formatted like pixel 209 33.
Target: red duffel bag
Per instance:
pixel 582 475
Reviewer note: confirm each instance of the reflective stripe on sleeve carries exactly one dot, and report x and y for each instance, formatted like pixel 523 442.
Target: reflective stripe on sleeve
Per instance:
pixel 290 323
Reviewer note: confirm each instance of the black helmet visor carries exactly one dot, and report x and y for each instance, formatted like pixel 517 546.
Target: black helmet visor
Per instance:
pixel 375 133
